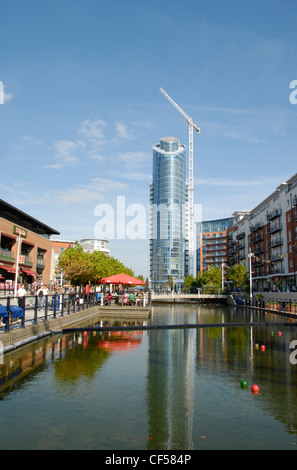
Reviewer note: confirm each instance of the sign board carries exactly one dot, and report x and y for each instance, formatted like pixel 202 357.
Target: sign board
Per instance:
pixel 20 231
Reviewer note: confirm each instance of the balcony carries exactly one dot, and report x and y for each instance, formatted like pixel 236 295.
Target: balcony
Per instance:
pixel 240 235
pixel 6 255
pixel 40 263
pixel 277 270
pixel 276 242
pixel 274 213
pixel 25 260
pixel 259 237
pixel 275 228
pixel 256 227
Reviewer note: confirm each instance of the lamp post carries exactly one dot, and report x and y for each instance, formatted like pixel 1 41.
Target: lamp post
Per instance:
pixel 223 265
pixel 250 255
pixel 17 266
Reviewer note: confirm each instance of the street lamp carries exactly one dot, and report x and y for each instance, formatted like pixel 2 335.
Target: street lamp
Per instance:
pixel 17 265
pixel 223 265
pixel 250 255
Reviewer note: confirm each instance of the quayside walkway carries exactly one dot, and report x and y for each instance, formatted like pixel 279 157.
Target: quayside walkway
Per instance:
pixel 190 298
pixel 37 319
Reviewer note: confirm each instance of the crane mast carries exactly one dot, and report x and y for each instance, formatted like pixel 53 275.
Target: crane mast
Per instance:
pixel 191 126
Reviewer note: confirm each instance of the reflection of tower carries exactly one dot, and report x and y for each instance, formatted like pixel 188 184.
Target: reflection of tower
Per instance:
pixel 168 215
pixel 170 387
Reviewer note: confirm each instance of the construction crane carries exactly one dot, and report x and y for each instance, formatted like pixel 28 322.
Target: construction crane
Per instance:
pixel 191 126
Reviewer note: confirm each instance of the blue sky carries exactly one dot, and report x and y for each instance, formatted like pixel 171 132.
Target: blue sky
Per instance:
pixel 83 108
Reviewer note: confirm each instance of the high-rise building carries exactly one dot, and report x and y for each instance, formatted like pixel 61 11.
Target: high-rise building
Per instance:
pixel 168 215
pixel 212 243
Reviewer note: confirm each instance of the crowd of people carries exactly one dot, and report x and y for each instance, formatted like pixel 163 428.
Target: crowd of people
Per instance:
pixel 129 297
pixel 124 297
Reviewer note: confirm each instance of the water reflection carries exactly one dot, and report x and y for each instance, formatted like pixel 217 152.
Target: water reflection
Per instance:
pixel 156 389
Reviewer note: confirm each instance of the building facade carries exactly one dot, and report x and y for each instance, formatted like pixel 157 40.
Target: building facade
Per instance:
pixel 25 247
pixel 95 244
pixel 168 216
pixel 265 240
pixel 211 243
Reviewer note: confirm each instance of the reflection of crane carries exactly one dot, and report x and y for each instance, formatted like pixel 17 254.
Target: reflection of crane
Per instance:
pixel 191 125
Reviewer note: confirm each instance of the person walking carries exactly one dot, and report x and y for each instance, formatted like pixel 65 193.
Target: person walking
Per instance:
pixel 21 296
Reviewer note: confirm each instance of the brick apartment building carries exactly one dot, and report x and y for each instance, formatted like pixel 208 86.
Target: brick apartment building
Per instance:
pixel 23 234
pixel 211 238
pixel 266 239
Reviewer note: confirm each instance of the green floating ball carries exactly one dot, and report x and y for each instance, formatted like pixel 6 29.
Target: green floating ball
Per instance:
pixel 243 384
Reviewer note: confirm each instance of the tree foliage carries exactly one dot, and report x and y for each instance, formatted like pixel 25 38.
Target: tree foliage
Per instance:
pixel 238 275
pixel 208 280
pixel 81 267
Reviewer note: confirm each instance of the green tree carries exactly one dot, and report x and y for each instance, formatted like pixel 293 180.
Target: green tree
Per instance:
pixel 189 282
pixel 238 275
pixel 76 265
pixel 212 279
pixel 81 267
pixel 103 266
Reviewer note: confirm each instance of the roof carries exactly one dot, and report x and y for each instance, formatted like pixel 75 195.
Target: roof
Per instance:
pixel 16 216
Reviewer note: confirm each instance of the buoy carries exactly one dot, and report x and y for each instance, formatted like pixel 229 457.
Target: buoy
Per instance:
pixel 255 389
pixel 244 384
pixel 85 333
pixel 279 333
pixel 262 347
pixel 272 333
pixel 256 346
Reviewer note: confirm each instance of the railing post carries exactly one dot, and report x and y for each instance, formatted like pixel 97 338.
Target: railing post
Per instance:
pixel 7 308
pixel 55 305
pixel 46 307
pixel 36 310
pixel 62 305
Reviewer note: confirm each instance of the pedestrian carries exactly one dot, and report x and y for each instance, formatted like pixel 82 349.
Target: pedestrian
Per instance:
pixel 21 296
pixel 40 295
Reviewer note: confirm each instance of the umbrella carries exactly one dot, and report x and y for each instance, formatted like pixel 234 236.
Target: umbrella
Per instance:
pixel 122 279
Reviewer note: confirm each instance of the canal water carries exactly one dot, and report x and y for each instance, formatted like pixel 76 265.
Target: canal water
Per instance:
pixel 165 389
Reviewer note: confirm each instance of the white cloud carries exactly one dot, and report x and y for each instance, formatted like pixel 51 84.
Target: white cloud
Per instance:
pixel 235 182
pixel 66 153
pixel 134 159
pixel 122 131
pixel 7 97
pixel 93 130
pixel 32 140
pixel 87 194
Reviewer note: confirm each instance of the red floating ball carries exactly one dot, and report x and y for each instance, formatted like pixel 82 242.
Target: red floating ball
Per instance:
pixel 255 389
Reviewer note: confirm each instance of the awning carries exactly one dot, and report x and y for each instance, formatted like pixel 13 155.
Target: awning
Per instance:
pixel 30 273
pixel 8 236
pixel 8 269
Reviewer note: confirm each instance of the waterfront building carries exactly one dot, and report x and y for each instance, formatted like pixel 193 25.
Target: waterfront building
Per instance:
pixel 58 246
pixel 211 242
pixel 95 244
pixel 265 239
pixel 25 246
pixel 168 216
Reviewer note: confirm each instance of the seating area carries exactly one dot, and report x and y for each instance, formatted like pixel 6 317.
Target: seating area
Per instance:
pixel 10 314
